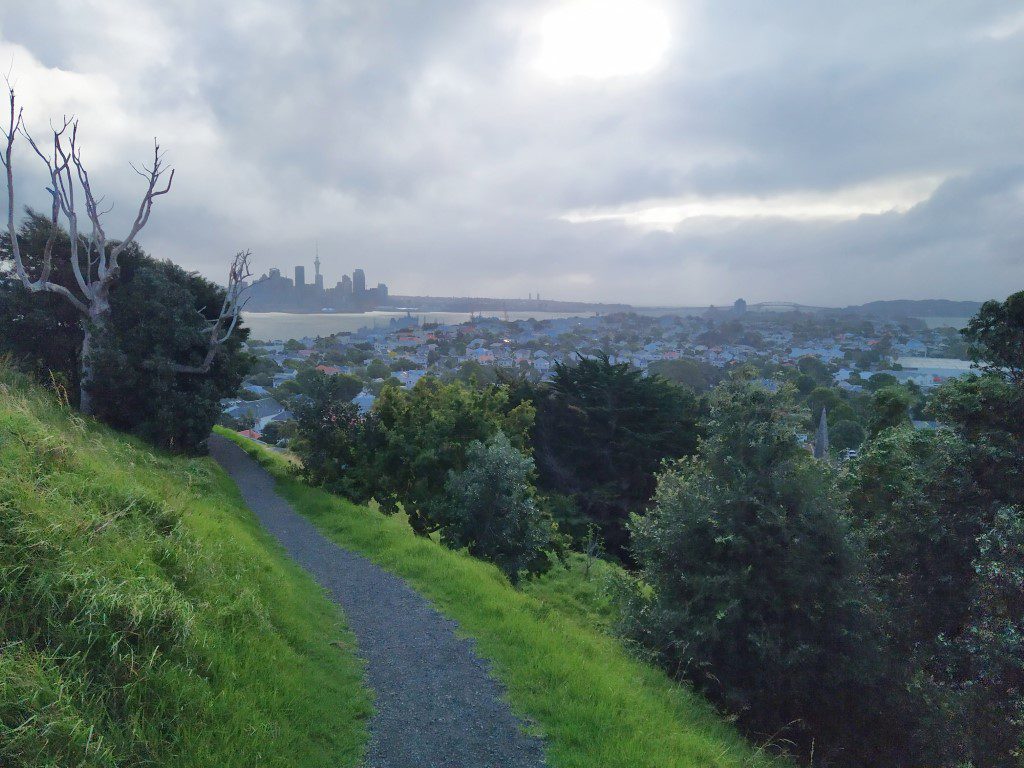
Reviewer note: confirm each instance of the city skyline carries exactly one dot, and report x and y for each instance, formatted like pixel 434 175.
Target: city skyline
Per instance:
pixel 273 291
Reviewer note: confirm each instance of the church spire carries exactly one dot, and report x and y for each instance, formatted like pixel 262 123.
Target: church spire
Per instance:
pixel 821 439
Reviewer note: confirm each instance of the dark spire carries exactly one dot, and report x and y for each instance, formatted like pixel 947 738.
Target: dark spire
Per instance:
pixel 821 439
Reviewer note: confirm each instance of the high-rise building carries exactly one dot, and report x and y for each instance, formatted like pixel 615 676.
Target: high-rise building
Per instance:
pixel 345 286
pixel 300 277
pixel 318 279
pixel 739 307
pixel 358 282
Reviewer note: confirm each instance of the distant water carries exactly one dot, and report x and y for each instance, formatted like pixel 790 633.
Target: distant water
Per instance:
pixel 943 363
pixel 946 322
pixel 267 326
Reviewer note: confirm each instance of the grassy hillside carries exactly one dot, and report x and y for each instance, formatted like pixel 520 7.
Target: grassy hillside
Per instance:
pixel 145 619
pixel 595 705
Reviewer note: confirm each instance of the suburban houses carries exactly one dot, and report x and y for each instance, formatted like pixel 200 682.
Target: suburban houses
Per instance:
pixel 406 350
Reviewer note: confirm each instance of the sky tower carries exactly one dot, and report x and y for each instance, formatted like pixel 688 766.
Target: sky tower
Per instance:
pixel 318 279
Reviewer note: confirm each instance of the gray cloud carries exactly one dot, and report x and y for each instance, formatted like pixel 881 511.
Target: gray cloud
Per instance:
pixel 415 139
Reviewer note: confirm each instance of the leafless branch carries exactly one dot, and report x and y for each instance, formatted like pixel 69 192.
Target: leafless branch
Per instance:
pixel 97 268
pixel 15 125
pixel 223 326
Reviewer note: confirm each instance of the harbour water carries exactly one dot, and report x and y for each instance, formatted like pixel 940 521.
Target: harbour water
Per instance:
pixel 268 326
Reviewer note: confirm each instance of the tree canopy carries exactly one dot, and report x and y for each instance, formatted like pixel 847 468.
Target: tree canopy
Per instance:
pixel 601 433
pixel 158 320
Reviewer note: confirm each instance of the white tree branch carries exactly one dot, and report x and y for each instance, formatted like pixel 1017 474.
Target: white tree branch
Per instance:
pixel 223 327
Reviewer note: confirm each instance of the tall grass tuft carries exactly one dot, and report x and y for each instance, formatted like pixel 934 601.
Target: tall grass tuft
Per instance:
pixel 145 619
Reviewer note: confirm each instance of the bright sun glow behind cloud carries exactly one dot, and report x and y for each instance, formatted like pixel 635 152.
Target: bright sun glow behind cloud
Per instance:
pixel 600 39
pixel 891 195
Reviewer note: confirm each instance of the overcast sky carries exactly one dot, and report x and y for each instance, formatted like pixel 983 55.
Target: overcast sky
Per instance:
pixel 648 151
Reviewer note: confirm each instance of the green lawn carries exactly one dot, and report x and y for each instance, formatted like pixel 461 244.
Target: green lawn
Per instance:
pixel 595 705
pixel 146 619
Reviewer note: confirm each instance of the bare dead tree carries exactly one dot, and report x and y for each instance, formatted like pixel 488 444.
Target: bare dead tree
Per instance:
pixel 94 259
pixel 220 329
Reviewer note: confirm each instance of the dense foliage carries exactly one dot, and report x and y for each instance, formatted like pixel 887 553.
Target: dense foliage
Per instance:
pixel 854 611
pixel 602 430
pixel 996 337
pixel 328 434
pixel 40 332
pixel 493 512
pixel 940 559
pixel 875 622
pixel 747 576
pixel 402 454
pixel 158 317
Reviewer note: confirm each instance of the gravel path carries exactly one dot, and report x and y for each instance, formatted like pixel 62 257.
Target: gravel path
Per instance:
pixel 436 703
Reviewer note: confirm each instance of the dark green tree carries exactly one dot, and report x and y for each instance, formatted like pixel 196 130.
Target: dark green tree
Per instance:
pixel 996 337
pixel 937 562
pixel 159 323
pixel 846 433
pixel 378 369
pixel 309 380
pixel 938 513
pixel 814 367
pixel 329 436
pixel 748 581
pixel 602 431
pixel 890 407
pixel 878 380
pixel 40 331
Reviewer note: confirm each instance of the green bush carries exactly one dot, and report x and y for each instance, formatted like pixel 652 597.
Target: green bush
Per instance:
pixel 746 578
pixel 492 511
pixel 158 317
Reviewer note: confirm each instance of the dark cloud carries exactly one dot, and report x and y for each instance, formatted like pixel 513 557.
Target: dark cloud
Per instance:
pixel 415 139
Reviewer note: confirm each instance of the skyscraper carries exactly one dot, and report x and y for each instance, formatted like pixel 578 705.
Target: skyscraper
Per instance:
pixel 358 282
pixel 300 277
pixel 345 285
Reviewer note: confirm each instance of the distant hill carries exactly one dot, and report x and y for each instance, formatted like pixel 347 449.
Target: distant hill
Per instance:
pixel 916 308
pixel 485 304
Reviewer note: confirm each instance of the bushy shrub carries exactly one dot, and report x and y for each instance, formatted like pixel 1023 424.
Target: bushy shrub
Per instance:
pixel 746 578
pixel 155 320
pixel 944 565
pixel 158 316
pixel 492 509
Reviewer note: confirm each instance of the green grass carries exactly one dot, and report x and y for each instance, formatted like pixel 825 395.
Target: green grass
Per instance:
pixel 596 706
pixel 146 619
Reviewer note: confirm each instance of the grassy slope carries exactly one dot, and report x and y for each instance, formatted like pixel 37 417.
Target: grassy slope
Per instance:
pixel 145 619
pixel 594 704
